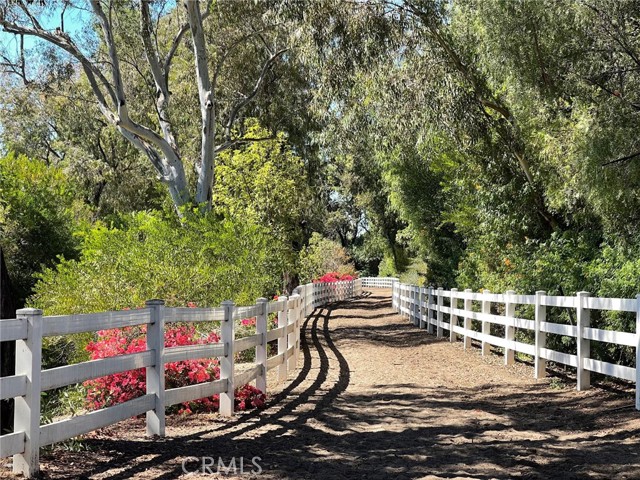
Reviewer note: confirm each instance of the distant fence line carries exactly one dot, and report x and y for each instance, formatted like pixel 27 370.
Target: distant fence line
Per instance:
pixel 428 307
pixel 30 326
pixel 379 282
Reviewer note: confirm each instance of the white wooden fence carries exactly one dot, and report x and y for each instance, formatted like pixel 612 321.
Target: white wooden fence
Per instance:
pixel 379 282
pixel 30 326
pixel 426 308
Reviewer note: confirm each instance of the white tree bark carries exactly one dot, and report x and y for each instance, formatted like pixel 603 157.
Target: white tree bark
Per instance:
pixel 207 107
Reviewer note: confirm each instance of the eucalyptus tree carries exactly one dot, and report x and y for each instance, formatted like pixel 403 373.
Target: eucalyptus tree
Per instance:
pixel 166 39
pixel 62 127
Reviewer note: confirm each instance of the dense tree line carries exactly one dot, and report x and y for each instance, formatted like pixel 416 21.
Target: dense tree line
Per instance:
pixel 475 143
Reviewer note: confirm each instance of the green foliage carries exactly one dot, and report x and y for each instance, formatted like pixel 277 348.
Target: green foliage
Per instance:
pixel 265 183
pixel 368 252
pixel 38 215
pixel 415 273
pixel 203 260
pixel 321 256
pixel 60 127
pixel 387 267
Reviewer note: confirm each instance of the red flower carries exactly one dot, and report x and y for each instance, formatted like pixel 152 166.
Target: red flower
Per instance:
pixel 120 387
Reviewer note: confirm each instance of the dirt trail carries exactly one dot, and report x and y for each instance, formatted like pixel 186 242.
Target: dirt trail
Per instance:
pixel 377 398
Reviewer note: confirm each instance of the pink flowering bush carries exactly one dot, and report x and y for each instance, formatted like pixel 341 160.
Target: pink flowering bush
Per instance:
pixel 121 387
pixel 332 277
pixel 249 397
pixel 246 328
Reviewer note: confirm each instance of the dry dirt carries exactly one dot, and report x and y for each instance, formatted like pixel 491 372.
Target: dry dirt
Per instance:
pixel 376 398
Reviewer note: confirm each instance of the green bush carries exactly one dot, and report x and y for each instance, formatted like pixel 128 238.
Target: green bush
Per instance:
pixel 38 215
pixel 202 260
pixel 324 255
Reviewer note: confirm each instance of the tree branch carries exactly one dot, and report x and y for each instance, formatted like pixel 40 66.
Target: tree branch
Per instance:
pixel 621 159
pixel 228 144
pixel 245 101
pixel 159 77
pixel 113 56
pixel 177 40
pixel 64 42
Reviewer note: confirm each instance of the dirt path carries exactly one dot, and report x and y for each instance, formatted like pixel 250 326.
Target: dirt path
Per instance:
pixel 377 398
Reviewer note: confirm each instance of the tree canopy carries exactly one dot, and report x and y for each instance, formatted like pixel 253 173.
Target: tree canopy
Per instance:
pixel 475 143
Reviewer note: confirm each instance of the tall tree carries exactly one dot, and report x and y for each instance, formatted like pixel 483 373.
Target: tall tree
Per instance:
pixel 156 137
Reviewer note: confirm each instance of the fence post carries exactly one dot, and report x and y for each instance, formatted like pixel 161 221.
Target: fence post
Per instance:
pixel 414 305
pixel 261 350
pixel 155 373
pixel 393 296
pixel 429 314
pixel 423 291
pixel 468 307
pixel 486 325
pixel 509 328
pixel 26 416
pixel 584 344
pixel 397 298
pixel 293 319
pixel 412 308
pixel 453 318
pixel 303 294
pixel 540 363
pixel 316 296
pixel 227 363
pixel 282 341
pixel 418 307
pixel 396 287
pixel 405 301
pixel 439 314
pixel 638 352
pixel 299 320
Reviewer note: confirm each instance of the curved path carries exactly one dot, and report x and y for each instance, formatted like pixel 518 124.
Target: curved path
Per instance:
pixel 376 398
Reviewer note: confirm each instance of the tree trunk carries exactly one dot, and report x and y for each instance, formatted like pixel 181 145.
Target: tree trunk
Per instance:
pixel 7 349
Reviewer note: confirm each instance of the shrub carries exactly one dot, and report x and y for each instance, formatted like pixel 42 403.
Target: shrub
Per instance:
pixel 38 214
pixel 324 255
pixel 203 260
pixel 121 387
pixel 332 277
pixel 246 328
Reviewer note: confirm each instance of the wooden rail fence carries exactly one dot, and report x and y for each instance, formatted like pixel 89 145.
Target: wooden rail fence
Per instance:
pixel 428 307
pixel 379 282
pixel 30 327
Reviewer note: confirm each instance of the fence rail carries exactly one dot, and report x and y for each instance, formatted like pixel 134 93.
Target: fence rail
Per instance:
pixel 379 282
pixel 425 307
pixel 29 380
